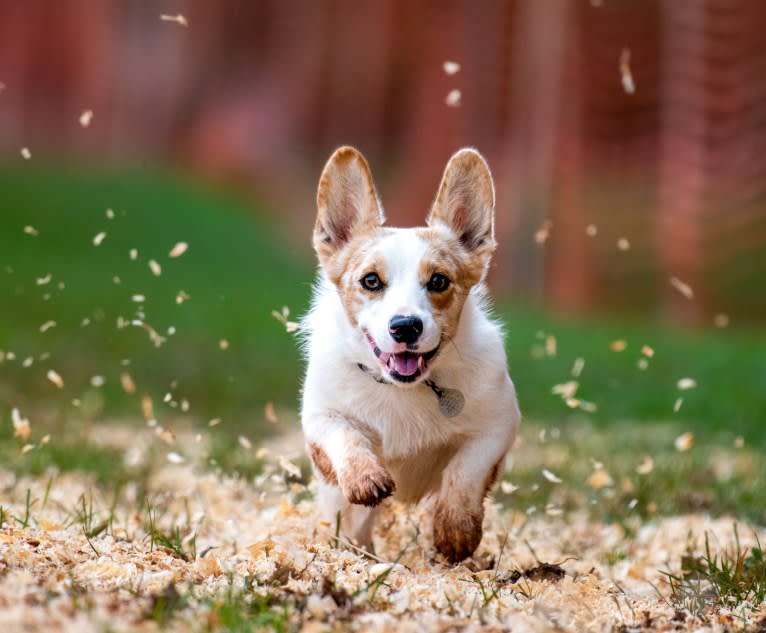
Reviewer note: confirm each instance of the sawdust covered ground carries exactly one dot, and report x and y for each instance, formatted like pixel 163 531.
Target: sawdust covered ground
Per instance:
pixel 184 548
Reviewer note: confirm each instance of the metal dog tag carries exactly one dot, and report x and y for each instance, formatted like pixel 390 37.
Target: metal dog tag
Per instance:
pixel 451 401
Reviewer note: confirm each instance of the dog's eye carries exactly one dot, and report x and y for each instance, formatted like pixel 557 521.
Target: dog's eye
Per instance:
pixel 438 283
pixel 372 282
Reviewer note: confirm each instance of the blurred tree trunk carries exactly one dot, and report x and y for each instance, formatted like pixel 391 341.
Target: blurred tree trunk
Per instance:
pixel 540 108
pixel 713 184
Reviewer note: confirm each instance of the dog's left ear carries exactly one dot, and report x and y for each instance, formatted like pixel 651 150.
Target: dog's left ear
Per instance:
pixel 347 202
pixel 466 202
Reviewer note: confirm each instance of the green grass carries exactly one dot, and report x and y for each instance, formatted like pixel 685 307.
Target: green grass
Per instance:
pixel 237 270
pixel 647 475
pixel 729 368
pixel 714 579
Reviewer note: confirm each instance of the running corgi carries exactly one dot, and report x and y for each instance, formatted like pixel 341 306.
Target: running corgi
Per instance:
pixel 406 390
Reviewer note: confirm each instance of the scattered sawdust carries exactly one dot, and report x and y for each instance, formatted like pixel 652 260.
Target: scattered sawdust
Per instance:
pixel 542 573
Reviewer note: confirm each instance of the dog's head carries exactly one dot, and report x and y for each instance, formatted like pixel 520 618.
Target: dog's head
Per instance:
pixel 404 289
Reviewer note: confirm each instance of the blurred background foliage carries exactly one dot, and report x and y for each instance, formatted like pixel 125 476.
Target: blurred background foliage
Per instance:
pixel 626 139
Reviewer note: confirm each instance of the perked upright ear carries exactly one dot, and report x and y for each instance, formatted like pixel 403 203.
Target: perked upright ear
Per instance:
pixel 347 203
pixel 466 201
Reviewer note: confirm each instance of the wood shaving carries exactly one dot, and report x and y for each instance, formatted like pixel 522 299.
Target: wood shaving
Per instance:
pixel 287 466
pixel 566 390
pixel 677 405
pixel 578 366
pixel 646 466
pixel 647 351
pixel 550 345
pixel 683 288
pixel 686 383
pixel 25 153
pixel 269 413
pixel 684 442
pixel 54 377
pixel 178 19
pixel 155 268
pixel 47 326
pixel 551 476
pixel 599 479
pixel 179 249
pixel 543 233
pixel 626 76
pixel 453 98
pixel 451 68
pixel 99 238
pixel 86 117
pixel 721 320
pixel 30 230
pixel 623 244
pixel 244 442
pixel 619 345
pixel 128 385
pixel 21 426
pixel 147 407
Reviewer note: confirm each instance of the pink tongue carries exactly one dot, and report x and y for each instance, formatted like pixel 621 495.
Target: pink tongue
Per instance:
pixel 405 363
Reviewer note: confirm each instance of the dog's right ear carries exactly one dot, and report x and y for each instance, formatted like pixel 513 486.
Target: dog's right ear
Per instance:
pixel 347 203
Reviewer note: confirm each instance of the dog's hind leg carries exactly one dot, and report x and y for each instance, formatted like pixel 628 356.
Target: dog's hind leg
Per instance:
pixel 356 521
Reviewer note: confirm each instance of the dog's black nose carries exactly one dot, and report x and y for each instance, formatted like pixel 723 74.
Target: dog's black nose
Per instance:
pixel 405 329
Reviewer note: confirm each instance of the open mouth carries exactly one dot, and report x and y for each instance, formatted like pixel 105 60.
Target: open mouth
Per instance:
pixel 405 366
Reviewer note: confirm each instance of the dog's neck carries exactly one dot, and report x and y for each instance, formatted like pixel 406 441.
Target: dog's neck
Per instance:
pixel 451 401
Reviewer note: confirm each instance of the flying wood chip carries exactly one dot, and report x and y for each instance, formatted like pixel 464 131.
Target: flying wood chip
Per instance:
pixel 682 287
pixel 179 249
pixel 453 98
pixel 451 68
pixel 178 19
pixel 54 377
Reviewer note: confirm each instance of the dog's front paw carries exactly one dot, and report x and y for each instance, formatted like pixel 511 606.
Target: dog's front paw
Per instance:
pixel 366 483
pixel 457 531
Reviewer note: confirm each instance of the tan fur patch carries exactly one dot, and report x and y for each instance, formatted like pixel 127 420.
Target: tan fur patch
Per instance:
pixel 364 481
pixel 347 268
pixel 493 475
pixel 323 464
pixel 347 203
pixel 463 268
pixel 457 530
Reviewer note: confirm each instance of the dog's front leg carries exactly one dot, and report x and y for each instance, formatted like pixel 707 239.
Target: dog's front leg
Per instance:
pixel 351 478
pixel 459 508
